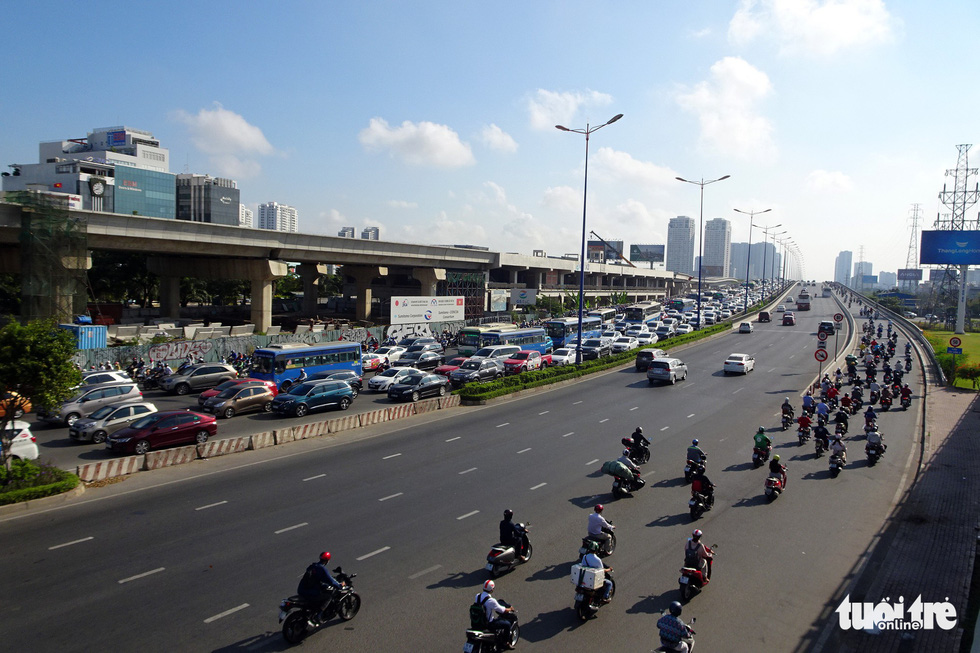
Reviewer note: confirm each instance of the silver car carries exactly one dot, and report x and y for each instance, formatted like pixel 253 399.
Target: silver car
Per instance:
pixel 88 401
pixel 198 377
pixel 107 420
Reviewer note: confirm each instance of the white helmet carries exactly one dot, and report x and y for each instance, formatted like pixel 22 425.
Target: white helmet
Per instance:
pixel 626 452
pixel 488 587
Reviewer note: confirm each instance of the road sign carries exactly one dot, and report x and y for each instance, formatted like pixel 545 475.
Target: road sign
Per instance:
pixel 821 336
pixel 954 350
pixel 820 355
pixel 822 344
pixel 838 317
pixel 955 342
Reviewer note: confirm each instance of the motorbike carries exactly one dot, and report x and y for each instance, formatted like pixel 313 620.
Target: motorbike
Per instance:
pixel 693 580
pixel 692 467
pixel 700 503
pixel 908 364
pixel 760 456
pixel 856 404
pixel 488 641
pixel 818 447
pixel 299 617
pixel 689 640
pixel 639 453
pixel 803 433
pixel 503 557
pixel 589 600
pixel 886 403
pixel 906 402
pixel 606 547
pixel 874 398
pixel 836 464
pixel 787 420
pixel 623 487
pixel 870 426
pixel 774 487
pixel 874 453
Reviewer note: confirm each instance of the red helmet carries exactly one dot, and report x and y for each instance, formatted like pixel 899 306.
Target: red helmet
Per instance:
pixel 598 507
pixel 488 586
pixel 325 556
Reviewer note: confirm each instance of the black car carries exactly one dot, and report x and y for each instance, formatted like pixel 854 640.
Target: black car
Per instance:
pixel 644 356
pixel 421 360
pixel 350 376
pixel 826 327
pixel 416 386
pixel 595 348
pixel 481 369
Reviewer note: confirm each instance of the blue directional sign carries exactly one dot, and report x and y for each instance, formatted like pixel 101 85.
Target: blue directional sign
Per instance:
pixel 954 350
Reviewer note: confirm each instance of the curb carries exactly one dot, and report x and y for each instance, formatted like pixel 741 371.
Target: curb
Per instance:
pixel 24 506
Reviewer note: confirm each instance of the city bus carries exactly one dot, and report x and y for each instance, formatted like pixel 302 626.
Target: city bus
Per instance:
pixel 683 305
pixel 562 329
pixel 535 339
pixel 606 315
pixel 642 312
pixel 282 363
pixel 470 338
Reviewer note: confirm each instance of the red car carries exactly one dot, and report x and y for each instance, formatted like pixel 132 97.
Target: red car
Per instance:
pixel 449 366
pixel 168 428
pixel 221 387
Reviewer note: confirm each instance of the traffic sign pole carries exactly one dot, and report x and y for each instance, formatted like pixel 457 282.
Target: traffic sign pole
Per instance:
pixel 838 318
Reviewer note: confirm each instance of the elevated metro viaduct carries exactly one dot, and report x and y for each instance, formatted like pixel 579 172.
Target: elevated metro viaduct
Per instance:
pixel 177 248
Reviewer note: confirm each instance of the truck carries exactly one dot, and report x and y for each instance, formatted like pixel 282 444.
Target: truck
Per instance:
pixel 803 301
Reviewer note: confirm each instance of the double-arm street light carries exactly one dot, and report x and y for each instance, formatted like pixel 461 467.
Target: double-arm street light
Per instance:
pixel 702 184
pixel 585 195
pixel 774 251
pixel 748 256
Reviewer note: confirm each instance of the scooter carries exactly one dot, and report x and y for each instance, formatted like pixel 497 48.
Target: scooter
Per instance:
pixel 623 487
pixel 886 403
pixel 488 641
pixel 787 420
pixel 692 467
pixel 874 453
pixel 803 433
pixel 639 453
pixel 760 456
pixel 906 402
pixel 690 640
pixel 606 547
pixel 774 487
pixel 299 617
pixel 588 599
pixel 503 557
pixel 700 503
pixel 818 447
pixel 836 464
pixel 692 580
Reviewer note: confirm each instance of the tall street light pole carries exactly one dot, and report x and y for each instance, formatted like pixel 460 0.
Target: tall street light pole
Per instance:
pixel 702 184
pixel 773 275
pixel 585 196
pixel 748 256
pixel 765 254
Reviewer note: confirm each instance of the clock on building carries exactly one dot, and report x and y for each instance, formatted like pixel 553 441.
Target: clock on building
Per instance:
pixel 97 186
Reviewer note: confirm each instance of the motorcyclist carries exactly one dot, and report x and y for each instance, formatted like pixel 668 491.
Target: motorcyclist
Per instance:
pixel 625 459
pixel 906 391
pixel 510 533
pixel 319 586
pixel 820 431
pixel 808 402
pixel 841 418
pixel 870 416
pixel 778 470
pixel 845 402
pixel 598 525
pixel 876 440
pixel 886 393
pixel 833 394
pixel 302 375
pixel 639 437
pixel 695 453
pixel 908 349
pixel 762 439
pixel 701 484
pixel 823 410
pixel 675 635
pixel 697 555
pixel 591 560
pixel 839 448
pixel 494 611
pixel 787 408
pixel 804 421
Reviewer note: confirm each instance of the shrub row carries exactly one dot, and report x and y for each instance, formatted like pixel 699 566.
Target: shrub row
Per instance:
pixel 27 480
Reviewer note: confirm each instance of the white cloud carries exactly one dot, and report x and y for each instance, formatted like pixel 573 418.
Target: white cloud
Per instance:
pixel 821 27
pixel 497 139
pixel 625 168
pixel 549 108
pixel 828 181
pixel 402 204
pixel 424 143
pixel 563 199
pixel 230 142
pixel 726 107
pixel 701 33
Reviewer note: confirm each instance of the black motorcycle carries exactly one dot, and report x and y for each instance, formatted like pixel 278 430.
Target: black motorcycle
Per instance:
pixel 606 547
pixel 480 640
pixel 692 467
pixel 588 599
pixel 623 487
pixel 874 453
pixel 639 453
pixel 503 557
pixel 299 616
pixel 700 503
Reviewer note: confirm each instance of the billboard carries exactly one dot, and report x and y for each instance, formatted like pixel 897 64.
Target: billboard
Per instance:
pixel 418 310
pixel 869 279
pixel 523 297
pixel 498 300
pixel 914 274
pixel 950 248
pixel 647 253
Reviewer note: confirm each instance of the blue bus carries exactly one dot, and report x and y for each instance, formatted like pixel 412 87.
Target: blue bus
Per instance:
pixel 642 312
pixel 607 315
pixel 282 363
pixel 683 305
pixel 563 329
pixel 534 339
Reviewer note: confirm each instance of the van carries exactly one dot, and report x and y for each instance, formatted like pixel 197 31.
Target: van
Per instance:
pixel 88 401
pixel 670 370
pixel 764 316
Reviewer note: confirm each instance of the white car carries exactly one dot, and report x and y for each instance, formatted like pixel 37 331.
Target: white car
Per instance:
pixel 780 309
pixel 392 353
pixel 684 328
pixel 636 329
pixel 23 444
pixel 563 356
pixel 647 338
pixel 380 382
pixel 739 364
pixel 745 327
pixel 625 343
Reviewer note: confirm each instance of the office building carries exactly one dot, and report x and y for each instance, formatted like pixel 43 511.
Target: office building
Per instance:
pixel 717 247
pixel 245 216
pixel 680 245
pixel 370 233
pixel 888 280
pixel 203 198
pixel 346 232
pixel 278 217
pixel 842 267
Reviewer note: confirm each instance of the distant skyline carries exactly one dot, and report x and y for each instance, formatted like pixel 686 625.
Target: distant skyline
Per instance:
pixel 434 121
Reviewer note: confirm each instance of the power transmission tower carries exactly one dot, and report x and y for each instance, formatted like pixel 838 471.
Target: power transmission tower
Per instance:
pixel 912 259
pixel 958 200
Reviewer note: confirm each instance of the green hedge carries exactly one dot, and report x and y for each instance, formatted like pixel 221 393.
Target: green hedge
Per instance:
pixel 27 480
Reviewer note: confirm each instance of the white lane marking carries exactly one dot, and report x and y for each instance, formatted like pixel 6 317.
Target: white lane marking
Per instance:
pixel 539 485
pixel 665 428
pixel 313 478
pixel 391 496
pixel 690 416
pixel 143 575
pixel 211 505
pixel 772 369
pixel 792 355
pixel 451 439
pixel 469 514
pixel 634 408
pixel 290 528
pixel 467 471
pixel 688 385
pixel 575 403
pixel 373 553
pixel 544 412
pixel 504 424
pixel 737 391
pixel 592 462
pixel 601 421
pixel 225 613
pixel 568 434
pixel 424 572
pixel 58 546
pixel 394 455
pixel 524 450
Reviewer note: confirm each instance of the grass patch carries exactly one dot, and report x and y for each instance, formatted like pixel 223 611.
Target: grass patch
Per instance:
pixel 27 480
pixel 967 372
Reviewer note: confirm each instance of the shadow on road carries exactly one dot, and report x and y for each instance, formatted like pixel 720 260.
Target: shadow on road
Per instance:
pixel 670 482
pixel 748 502
pixel 267 641
pixel 551 572
pixel 740 467
pixel 652 604
pixel 548 624
pixel 462 580
pixel 588 502
pixel 822 475
pixel 670 520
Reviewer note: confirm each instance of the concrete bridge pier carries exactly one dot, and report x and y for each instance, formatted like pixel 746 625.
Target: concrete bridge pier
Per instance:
pixel 310 273
pixel 363 276
pixel 429 278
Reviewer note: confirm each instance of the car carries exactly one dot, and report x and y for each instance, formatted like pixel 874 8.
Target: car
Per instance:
pixel 237 399
pixel 636 329
pixel 477 369
pixel 745 327
pixel 450 365
pixel 20 405
pixel 98 377
pixel 625 343
pixel 780 309
pixel 23 444
pixel 563 356
pixel 380 382
pixel 86 402
pixel 645 356
pixel 726 314
pixel 221 387
pixel 426 346
pixel 424 340
pixel 765 316
pixel 198 377
pixel 525 360
pixel 392 353
pixel 420 360
pixel 681 330
pixel 98 426
pixel 503 352
pixel 739 364
pixel 594 348
pixel 163 429
pixel 309 396
pixel 373 362
pixel 670 370
pixel 666 330
pixel 789 319
pixel 826 326
pixel 349 376
pixel 418 386
pixel 910 315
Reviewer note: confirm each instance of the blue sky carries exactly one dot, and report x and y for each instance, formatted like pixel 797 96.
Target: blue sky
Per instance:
pixel 435 120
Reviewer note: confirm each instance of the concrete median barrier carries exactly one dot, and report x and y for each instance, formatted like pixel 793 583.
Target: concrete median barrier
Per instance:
pixel 262 440
pixel 214 448
pixel 343 423
pixel 110 468
pixel 449 401
pixel 400 411
pixel 374 417
pixel 170 457
pixel 426 405
pixel 284 435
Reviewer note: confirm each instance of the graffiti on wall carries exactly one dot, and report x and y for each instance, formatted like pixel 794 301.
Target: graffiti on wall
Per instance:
pixel 424 330
pixel 181 349
pixel 354 334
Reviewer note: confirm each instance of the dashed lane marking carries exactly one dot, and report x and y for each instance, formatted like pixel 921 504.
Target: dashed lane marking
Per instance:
pixel 391 496
pixel 544 412
pixel 292 528
pixel 602 421
pixel 211 505
pixel 59 546
pixel 467 471
pixel 524 450
pixel 225 613
pixel 469 514
pixel 452 439
pixel 143 575
pixel 419 574
pixel 313 478
pixel 665 428
pixel 539 485
pixel 373 553
pixel 568 434
pixel 504 424
pixel 592 462
pixel 394 455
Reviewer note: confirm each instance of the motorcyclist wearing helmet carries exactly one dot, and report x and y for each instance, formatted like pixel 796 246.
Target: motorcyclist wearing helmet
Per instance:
pixel 841 418
pixel 762 439
pixel 870 416
pixel 906 392
pixel 839 448
pixel 510 533
pixel 675 635
pixel 701 484
pixel 695 453
pixel 697 555
pixel 592 560
pixel 639 437
pixel 820 431
pixel 808 401
pixel 787 408
pixel 495 612
pixel 598 526
pixel 625 459
pixel 804 421
pixel 876 441
pixel 319 586
pixel 778 470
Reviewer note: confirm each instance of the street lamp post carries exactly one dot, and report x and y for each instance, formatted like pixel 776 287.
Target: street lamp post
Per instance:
pixel 765 254
pixel 748 255
pixel 702 184
pixel 773 275
pixel 585 195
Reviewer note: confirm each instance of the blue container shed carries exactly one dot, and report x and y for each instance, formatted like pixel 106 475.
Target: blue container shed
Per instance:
pixel 88 336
